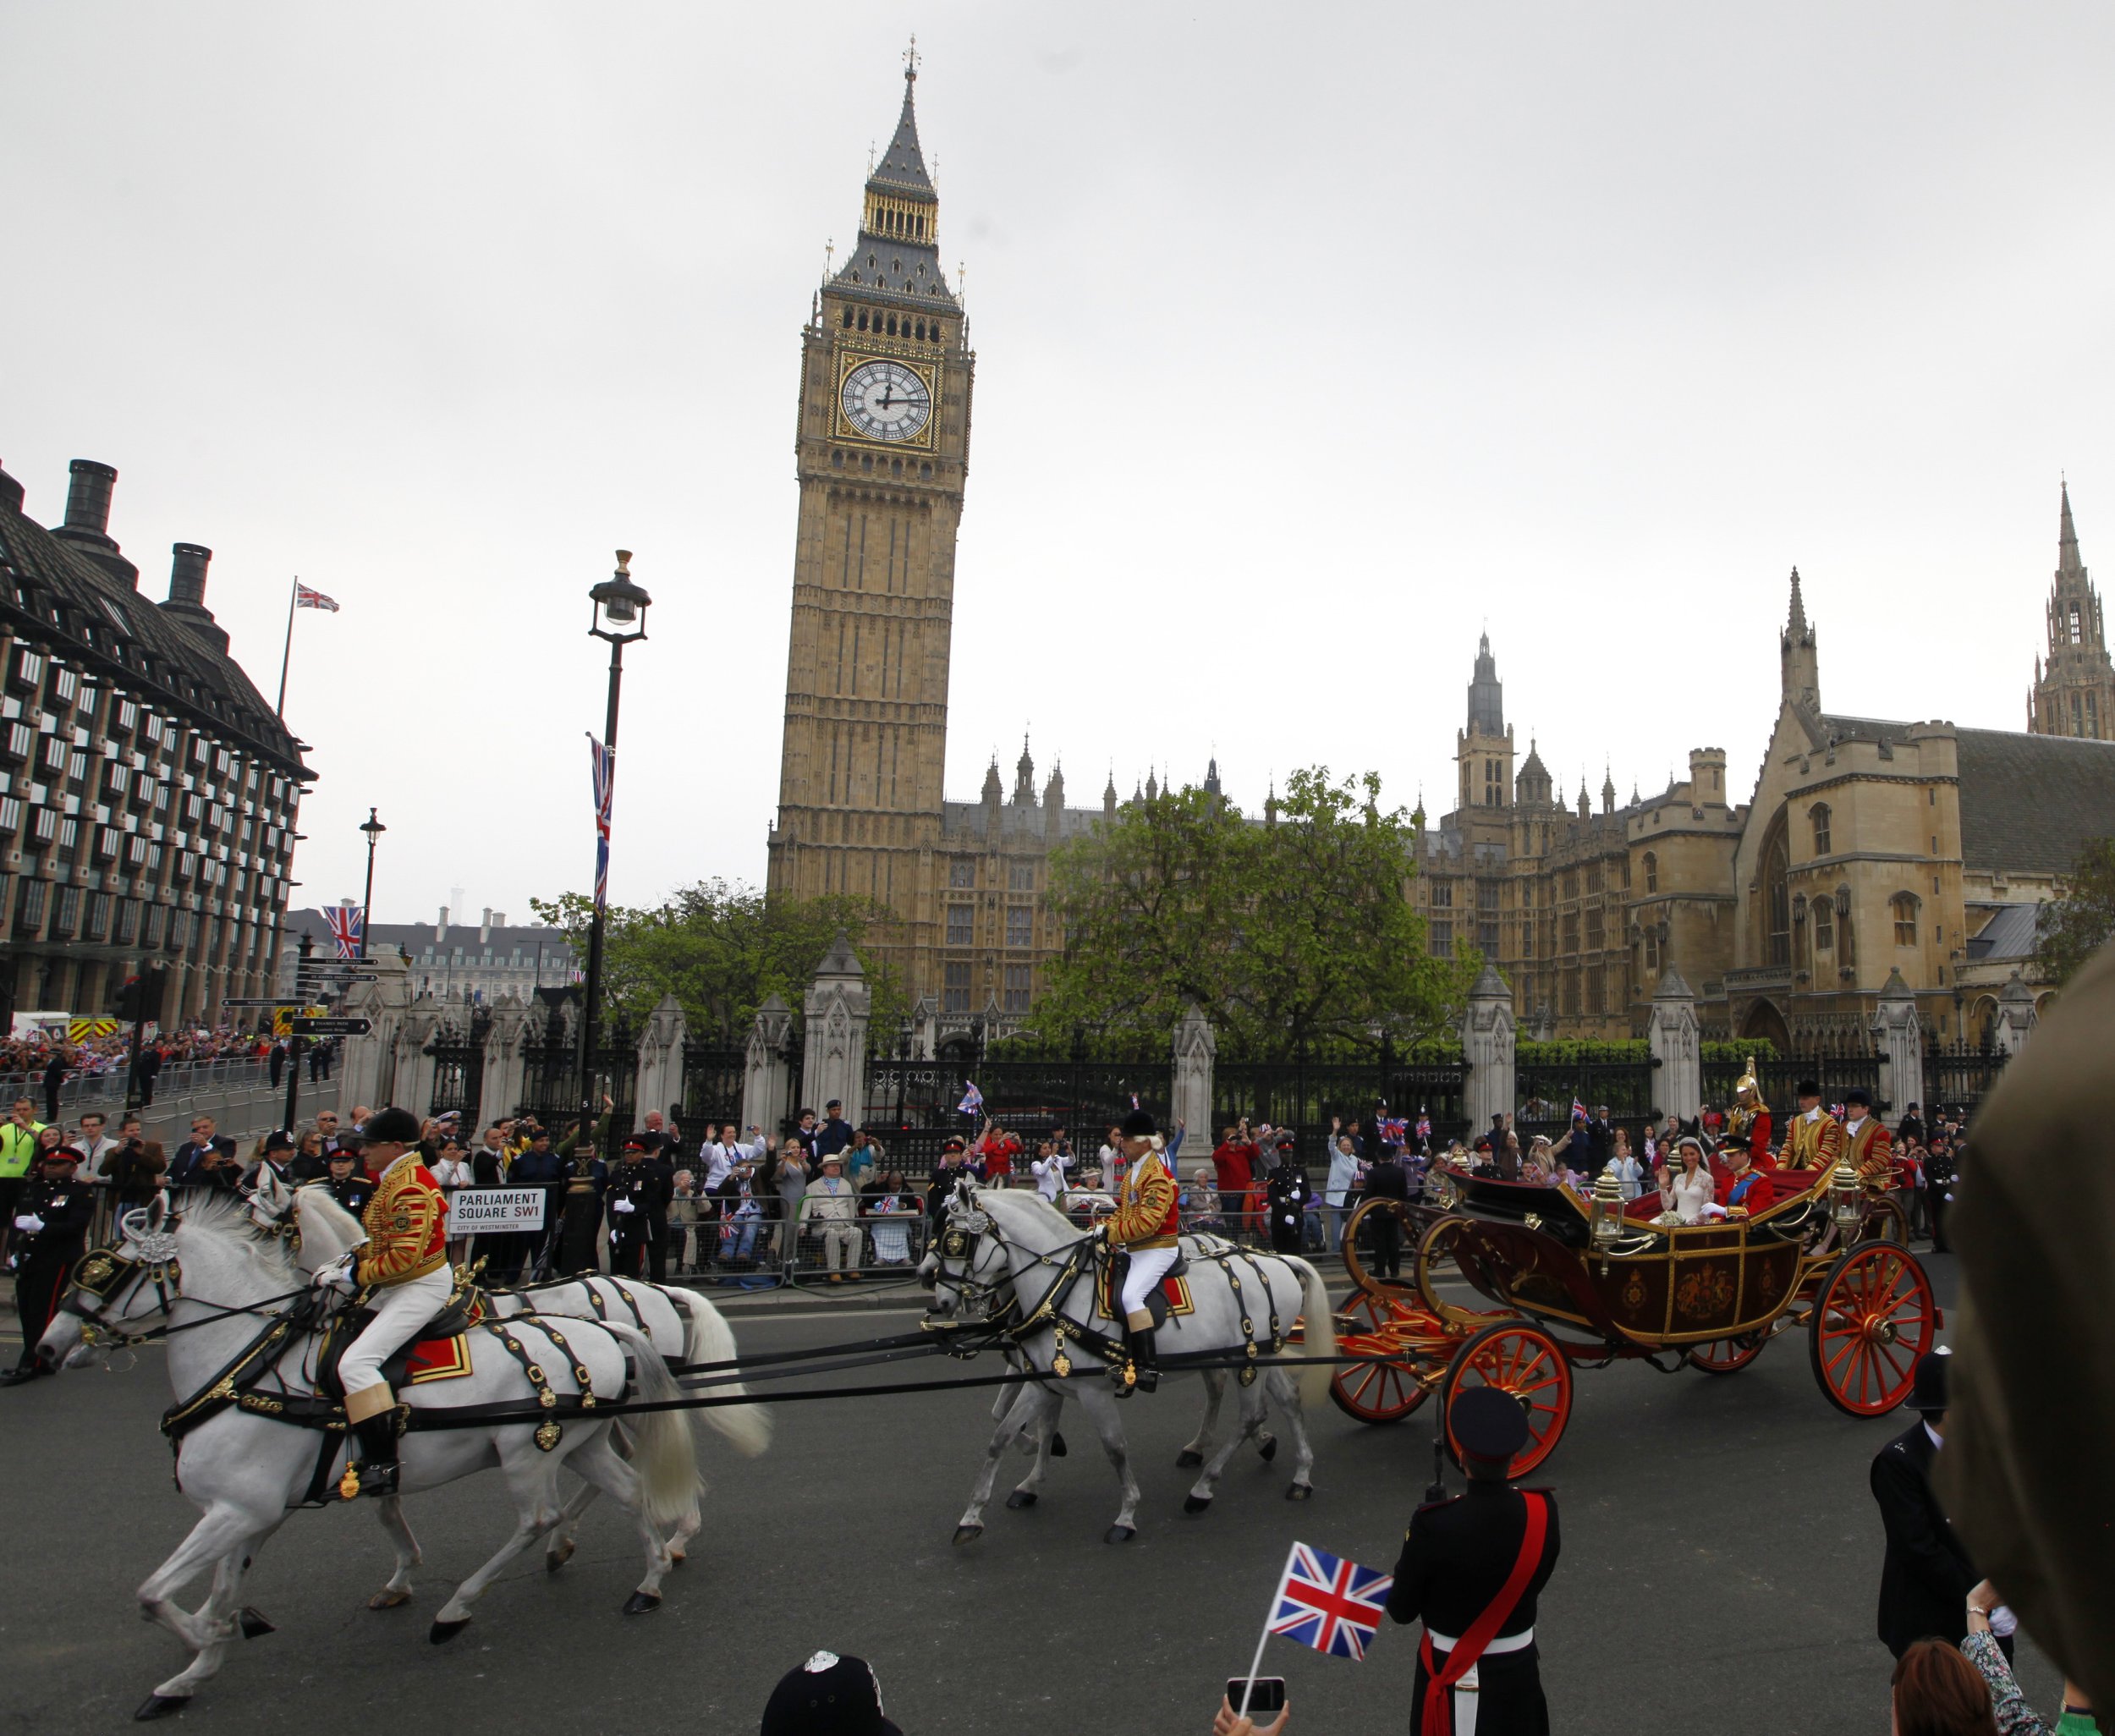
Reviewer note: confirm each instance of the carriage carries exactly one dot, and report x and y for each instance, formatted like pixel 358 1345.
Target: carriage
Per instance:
pixel 1574 1282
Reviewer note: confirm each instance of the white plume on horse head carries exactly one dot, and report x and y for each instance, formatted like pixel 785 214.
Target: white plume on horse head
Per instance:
pixel 328 1231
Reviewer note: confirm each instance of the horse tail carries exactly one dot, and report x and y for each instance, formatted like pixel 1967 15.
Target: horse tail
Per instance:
pixel 709 1338
pixel 665 1452
pixel 1321 1335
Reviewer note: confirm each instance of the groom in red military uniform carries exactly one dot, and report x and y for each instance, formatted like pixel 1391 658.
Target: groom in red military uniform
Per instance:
pixel 1471 1570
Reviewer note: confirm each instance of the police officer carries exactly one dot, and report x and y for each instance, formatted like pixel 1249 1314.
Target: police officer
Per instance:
pixel 347 1181
pixel 1470 1571
pixel 50 1230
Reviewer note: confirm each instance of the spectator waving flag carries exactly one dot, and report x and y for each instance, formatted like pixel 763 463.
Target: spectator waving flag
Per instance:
pixel 305 597
pixel 1578 1110
pixel 1391 1128
pixel 604 760
pixel 1423 1124
pixel 1334 1605
pixel 972 1101
pixel 346 923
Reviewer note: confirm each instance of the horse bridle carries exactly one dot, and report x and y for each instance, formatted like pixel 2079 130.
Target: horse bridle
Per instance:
pixel 965 1242
pixel 110 1276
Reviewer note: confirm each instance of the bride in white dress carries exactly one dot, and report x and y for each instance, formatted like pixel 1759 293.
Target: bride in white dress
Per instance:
pixel 1690 1195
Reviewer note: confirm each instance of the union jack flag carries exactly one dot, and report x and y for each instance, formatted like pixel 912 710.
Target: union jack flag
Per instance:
pixel 1578 1110
pixel 1334 1605
pixel 604 763
pixel 1423 1124
pixel 972 1100
pixel 305 598
pixel 346 922
pixel 1391 1128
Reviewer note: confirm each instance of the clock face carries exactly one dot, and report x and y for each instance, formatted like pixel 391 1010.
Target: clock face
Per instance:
pixel 886 400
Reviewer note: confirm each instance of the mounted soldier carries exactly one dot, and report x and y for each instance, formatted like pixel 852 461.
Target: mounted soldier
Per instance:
pixel 404 1265
pixel 1144 1227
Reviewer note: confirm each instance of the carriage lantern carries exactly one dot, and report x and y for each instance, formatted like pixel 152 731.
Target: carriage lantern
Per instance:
pixel 1608 1213
pixel 1843 1195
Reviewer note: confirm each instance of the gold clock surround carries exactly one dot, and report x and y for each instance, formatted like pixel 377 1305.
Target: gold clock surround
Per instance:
pixel 849 359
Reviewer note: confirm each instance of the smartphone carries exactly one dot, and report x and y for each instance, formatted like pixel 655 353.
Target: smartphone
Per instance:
pixel 1267 1697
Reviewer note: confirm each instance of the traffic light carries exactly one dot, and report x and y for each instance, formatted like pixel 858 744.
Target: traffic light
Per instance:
pixel 139 1001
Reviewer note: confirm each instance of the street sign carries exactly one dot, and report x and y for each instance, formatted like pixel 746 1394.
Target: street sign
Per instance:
pixel 473 1209
pixel 338 977
pixel 331 1027
pixel 254 1003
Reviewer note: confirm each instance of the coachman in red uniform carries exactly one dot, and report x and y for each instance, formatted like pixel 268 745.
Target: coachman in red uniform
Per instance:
pixel 1470 1571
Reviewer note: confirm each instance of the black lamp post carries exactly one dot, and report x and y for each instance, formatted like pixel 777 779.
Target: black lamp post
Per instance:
pixel 618 616
pixel 374 828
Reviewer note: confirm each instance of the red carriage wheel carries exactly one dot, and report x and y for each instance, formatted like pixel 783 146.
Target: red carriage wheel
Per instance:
pixel 1368 1324
pixel 1525 1361
pixel 1725 1356
pixel 1883 1220
pixel 1873 1320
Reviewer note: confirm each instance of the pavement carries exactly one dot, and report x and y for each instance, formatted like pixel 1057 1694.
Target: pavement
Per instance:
pixel 1721 1563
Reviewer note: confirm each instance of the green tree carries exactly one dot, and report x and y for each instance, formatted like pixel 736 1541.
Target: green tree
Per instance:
pixel 722 948
pixel 2081 920
pixel 1289 934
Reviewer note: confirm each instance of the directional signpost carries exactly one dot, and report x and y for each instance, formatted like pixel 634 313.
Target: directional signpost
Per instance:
pixel 331 1027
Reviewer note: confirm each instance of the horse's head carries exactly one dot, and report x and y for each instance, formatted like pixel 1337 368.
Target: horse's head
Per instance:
pixel 271 1204
pixel 325 1230
pixel 121 1286
pixel 967 1261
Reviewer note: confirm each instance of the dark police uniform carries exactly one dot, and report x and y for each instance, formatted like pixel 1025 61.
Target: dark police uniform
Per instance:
pixel 645 1186
pixel 352 1191
pixel 44 1258
pixel 1458 1555
pixel 1290 1194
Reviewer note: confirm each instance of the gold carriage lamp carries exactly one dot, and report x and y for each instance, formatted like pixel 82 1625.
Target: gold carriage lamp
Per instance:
pixel 1607 1214
pixel 1843 1195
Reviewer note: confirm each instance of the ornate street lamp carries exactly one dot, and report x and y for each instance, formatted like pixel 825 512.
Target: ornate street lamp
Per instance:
pixel 617 615
pixel 374 828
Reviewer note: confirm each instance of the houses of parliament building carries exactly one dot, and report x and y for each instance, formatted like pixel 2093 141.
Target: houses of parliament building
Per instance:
pixel 1863 849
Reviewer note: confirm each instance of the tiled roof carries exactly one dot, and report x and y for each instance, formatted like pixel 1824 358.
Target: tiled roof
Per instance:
pixel 60 599
pixel 2030 802
pixel 2010 933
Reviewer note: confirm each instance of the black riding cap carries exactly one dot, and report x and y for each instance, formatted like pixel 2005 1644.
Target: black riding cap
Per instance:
pixel 1140 1125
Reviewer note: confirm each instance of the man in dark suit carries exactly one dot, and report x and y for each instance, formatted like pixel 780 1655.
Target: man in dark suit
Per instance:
pixel 1927 1577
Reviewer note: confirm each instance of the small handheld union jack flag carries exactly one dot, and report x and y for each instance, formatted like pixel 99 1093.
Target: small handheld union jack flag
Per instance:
pixel 1423 1124
pixel 972 1100
pixel 1334 1605
pixel 345 922
pixel 604 762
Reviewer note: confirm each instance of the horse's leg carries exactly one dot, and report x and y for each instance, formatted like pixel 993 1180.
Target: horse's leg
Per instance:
pixel 533 1476
pixel 224 1534
pixel 1020 1417
pixel 599 1463
pixel 1284 1389
pixel 1100 1405
pixel 1029 1488
pixel 1201 1442
pixel 398 1590
pixel 1251 1423
pixel 557 1547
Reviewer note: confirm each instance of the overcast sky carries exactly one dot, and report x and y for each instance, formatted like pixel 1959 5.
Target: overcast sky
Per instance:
pixel 1309 343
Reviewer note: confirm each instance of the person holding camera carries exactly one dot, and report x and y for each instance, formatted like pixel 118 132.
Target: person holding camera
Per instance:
pixel 51 1230
pixel 206 1160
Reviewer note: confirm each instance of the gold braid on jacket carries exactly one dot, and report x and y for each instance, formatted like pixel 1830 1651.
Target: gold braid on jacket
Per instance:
pixel 1142 1205
pixel 404 1223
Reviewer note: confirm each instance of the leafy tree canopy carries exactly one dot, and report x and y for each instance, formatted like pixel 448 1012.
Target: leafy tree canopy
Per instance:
pixel 2081 920
pixel 1289 934
pixel 722 948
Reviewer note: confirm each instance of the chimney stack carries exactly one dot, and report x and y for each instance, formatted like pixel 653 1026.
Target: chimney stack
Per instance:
pixel 485 928
pixel 187 594
pixel 87 526
pixel 441 928
pixel 10 493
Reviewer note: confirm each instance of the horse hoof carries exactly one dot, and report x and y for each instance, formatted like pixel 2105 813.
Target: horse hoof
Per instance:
pixel 1119 1534
pixel 389 1598
pixel 1299 1491
pixel 1187 1459
pixel 641 1603
pixel 1020 1498
pixel 161 1705
pixel 968 1534
pixel 557 1555
pixel 1268 1448
pixel 677 1557
pixel 1195 1503
pixel 441 1632
pixel 254 1624
pixel 1056 1445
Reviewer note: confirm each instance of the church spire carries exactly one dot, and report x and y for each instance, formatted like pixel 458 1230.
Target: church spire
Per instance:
pixel 1799 663
pixel 2068 560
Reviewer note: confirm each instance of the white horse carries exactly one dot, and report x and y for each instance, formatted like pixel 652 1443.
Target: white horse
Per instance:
pixel 684 1327
pixel 1010 1246
pixel 220 1287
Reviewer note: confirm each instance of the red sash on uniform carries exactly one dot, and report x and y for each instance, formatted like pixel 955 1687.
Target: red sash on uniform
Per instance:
pixel 1438 1718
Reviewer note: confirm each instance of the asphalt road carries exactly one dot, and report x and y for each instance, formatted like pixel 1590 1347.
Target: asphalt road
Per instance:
pixel 1721 1560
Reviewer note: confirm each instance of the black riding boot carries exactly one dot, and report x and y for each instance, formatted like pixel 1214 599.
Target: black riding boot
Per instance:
pixel 1149 1372
pixel 376 1472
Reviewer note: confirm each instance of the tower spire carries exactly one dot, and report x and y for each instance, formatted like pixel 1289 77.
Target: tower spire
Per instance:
pixel 2066 537
pixel 897 249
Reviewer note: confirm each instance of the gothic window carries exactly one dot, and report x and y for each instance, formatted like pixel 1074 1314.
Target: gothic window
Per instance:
pixel 1571 883
pixel 1845 953
pixel 1593 877
pixel 1904 907
pixel 1596 993
pixel 962 871
pixel 891 325
pixel 1652 950
pixel 960 919
pixel 954 989
pixel 2078 630
pixel 1442 894
pixel 1441 938
pixel 1594 931
pixel 1020 877
pixel 1777 898
pixel 862 319
pixel 1819 814
pixel 2092 717
pixel 1019 978
pixel 1486 895
pixel 1571 932
pixel 1824 926
pixel 1020 925
pixel 848 316
pixel 1651 872
pixel 1571 993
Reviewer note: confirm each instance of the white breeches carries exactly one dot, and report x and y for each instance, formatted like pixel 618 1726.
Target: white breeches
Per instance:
pixel 400 1310
pixel 1149 1265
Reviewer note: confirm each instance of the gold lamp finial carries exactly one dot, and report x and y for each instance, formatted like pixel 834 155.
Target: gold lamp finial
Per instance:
pixel 625 562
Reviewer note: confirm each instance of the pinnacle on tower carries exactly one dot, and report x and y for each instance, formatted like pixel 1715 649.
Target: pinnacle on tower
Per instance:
pixel 2066 537
pixel 1796 622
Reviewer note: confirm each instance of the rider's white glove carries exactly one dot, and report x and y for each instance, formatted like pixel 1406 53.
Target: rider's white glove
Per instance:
pixel 31 1221
pixel 339 1274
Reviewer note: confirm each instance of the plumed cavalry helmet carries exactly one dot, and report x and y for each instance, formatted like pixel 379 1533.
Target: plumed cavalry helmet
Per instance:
pixel 1746 1084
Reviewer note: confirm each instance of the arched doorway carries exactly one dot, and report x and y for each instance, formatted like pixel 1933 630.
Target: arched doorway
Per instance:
pixel 1765 1021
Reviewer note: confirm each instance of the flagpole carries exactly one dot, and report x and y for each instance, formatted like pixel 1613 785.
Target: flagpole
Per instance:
pixel 1263 1639
pixel 285 655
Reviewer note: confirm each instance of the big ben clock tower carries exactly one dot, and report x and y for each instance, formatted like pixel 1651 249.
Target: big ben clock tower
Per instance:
pixel 882 452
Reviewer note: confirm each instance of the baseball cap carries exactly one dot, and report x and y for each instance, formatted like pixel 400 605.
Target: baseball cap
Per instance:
pixel 828 1695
